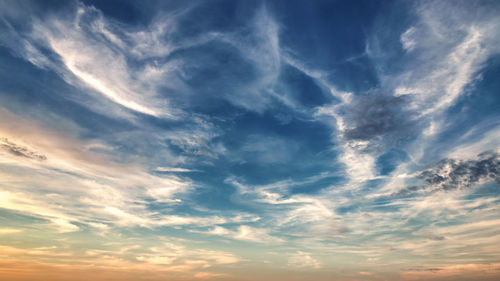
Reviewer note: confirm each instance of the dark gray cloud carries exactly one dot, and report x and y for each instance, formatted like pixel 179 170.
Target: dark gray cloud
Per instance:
pixel 20 151
pixel 379 115
pixel 452 174
pixel 431 269
pixel 434 237
pixel 341 230
pixel 407 190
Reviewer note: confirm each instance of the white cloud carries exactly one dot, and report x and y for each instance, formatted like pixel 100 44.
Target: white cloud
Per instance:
pixel 97 64
pixel 255 235
pixel 9 230
pixel 407 39
pixel 452 47
pixel 490 141
pixel 180 257
pixel 173 169
pixel 246 233
pixel 303 260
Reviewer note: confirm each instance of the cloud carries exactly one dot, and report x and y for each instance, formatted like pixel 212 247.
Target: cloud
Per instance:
pixel 467 271
pixel 452 174
pixel 162 261
pixel 238 66
pixel 294 212
pixel 245 233
pixel 99 64
pixel 407 39
pixel 483 138
pixel 9 230
pixel 258 44
pixel 269 149
pixel 204 275
pixel 90 51
pixel 448 48
pixel 174 170
pixel 154 70
pixel 378 115
pixel 175 108
pixel 20 151
pixel 303 260
pixel 354 153
pixel 178 257
pixel 76 185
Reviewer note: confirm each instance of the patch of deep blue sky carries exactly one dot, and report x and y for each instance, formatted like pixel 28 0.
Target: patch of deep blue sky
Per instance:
pixel 273 142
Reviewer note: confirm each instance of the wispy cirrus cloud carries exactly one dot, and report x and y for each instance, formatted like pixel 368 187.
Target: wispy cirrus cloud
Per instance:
pixel 102 191
pixel 141 69
pixel 96 57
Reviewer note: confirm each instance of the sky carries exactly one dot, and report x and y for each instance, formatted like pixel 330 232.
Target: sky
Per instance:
pixel 249 140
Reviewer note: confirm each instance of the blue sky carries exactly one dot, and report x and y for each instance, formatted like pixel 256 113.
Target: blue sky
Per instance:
pixel 250 140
